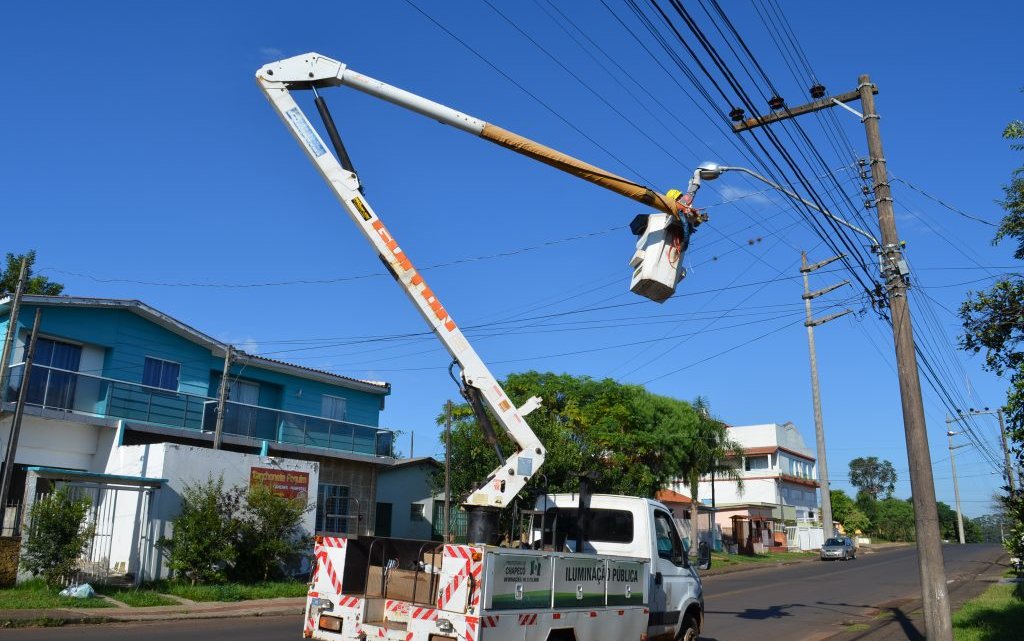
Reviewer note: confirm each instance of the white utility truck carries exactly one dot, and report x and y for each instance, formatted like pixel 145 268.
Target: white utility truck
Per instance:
pixel 586 567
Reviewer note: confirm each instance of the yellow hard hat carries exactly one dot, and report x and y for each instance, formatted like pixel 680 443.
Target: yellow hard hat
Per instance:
pixel 673 194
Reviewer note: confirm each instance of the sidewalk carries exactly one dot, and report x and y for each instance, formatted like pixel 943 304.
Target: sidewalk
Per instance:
pixel 195 610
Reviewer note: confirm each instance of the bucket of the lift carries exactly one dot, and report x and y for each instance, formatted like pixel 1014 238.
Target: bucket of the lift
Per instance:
pixel 658 260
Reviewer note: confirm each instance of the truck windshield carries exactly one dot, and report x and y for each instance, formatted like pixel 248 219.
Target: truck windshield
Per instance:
pixel 606 526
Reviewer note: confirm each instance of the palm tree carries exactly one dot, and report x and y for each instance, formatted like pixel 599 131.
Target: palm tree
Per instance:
pixel 709 453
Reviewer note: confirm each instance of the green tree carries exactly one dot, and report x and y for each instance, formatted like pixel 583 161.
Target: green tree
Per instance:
pixel 204 540
pixel 842 505
pixel 270 539
pixel 709 452
pixel 57 536
pixel 845 510
pixel 633 442
pixel 873 476
pixel 991 527
pixel 33 284
pixel 947 522
pixel 856 521
pixel 895 520
pixel 868 505
pixel 993 323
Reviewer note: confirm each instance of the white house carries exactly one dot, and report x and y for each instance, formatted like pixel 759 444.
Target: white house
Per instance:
pixel 780 485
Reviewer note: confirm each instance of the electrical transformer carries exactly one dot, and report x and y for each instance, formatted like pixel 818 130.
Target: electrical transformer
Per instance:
pixel 658 260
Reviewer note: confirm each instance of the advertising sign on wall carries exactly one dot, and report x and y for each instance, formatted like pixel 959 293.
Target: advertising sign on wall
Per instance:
pixel 286 483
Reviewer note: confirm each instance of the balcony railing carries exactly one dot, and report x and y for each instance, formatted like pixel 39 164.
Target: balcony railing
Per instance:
pixel 58 390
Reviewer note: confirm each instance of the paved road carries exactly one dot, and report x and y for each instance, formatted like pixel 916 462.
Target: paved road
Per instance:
pixel 792 603
pixel 812 600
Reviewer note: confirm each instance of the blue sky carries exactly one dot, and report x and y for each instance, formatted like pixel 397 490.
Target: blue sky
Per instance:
pixel 141 161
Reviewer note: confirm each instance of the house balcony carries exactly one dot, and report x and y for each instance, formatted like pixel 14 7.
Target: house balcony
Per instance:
pixel 70 395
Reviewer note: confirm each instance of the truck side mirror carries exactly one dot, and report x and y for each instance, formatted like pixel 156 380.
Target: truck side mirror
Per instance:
pixel 703 556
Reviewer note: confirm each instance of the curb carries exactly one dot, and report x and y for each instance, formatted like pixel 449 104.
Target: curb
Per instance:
pixel 59 617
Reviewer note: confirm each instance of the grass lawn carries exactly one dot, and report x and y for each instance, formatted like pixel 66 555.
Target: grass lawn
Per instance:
pixel 992 616
pixel 135 598
pixel 35 594
pixel 231 591
pixel 720 559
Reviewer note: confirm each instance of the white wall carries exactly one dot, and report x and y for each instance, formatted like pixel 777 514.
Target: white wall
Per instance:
pixel 52 443
pixel 183 465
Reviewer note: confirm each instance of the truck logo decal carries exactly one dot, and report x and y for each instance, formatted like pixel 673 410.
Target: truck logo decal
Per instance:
pixel 361 206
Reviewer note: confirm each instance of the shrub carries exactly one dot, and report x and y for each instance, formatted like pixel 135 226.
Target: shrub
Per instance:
pixel 203 544
pixel 269 539
pixel 57 536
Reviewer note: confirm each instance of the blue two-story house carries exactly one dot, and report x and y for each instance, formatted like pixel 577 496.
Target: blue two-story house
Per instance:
pixel 111 374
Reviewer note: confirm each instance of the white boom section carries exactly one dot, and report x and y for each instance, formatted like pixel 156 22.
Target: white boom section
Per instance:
pixel 275 79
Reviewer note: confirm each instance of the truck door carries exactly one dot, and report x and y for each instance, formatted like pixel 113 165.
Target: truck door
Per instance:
pixel 673 579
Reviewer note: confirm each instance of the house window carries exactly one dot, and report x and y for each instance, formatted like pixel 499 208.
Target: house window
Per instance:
pixel 755 463
pixel 48 385
pixel 333 407
pixel 416 512
pixel 332 509
pixel 245 392
pixel 161 373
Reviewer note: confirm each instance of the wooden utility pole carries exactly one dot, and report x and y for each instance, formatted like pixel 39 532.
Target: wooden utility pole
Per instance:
pixel 447 470
pixel 935 596
pixel 12 329
pixel 819 429
pixel 222 398
pixel 19 410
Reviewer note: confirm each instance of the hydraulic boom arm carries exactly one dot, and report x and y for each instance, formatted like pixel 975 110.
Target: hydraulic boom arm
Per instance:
pixel 313 71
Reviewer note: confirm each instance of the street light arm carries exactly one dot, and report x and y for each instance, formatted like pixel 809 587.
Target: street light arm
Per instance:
pixel 766 181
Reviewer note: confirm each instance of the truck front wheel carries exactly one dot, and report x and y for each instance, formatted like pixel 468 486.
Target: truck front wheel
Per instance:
pixel 690 630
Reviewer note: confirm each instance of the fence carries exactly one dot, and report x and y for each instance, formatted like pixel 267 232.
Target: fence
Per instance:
pixel 59 391
pixel 121 543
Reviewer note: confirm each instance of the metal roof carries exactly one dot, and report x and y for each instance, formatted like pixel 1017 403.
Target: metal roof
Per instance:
pixel 218 348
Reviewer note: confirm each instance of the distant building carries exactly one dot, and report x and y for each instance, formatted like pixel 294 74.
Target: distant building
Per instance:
pixel 121 403
pixel 406 499
pixel 780 485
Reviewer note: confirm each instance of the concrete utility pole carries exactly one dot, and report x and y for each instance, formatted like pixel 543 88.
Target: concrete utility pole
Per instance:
pixel 12 328
pixel 19 410
pixel 1008 467
pixel 1006 451
pixel 447 470
pixel 956 486
pixel 222 398
pixel 819 429
pixel 935 596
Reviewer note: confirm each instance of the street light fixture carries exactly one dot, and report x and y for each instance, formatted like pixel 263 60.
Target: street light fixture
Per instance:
pixel 711 171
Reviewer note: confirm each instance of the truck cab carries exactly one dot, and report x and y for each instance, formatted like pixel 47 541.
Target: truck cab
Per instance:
pixel 639 528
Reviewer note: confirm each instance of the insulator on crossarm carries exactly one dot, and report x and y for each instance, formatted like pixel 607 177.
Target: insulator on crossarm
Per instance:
pixel 736 114
pixel 776 103
pixel 818 91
